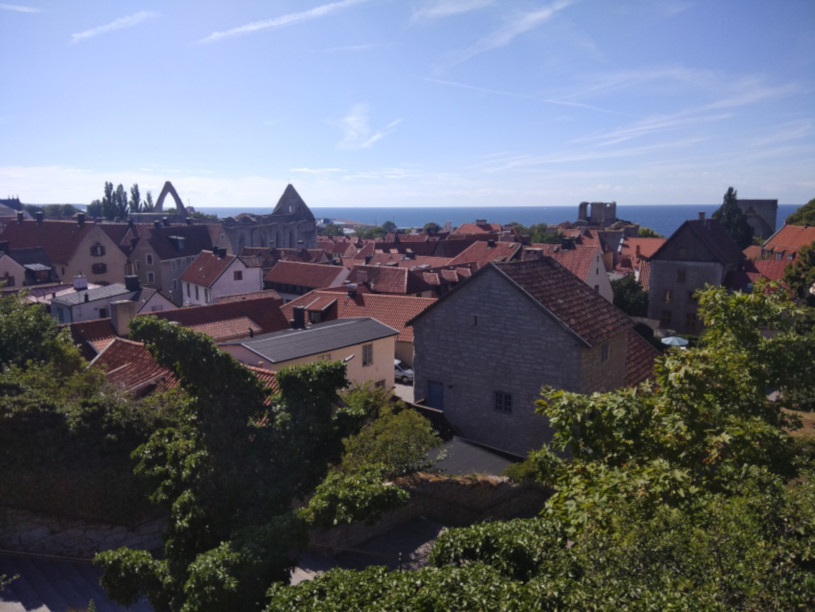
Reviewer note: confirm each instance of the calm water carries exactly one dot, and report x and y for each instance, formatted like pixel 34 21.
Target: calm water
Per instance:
pixel 663 219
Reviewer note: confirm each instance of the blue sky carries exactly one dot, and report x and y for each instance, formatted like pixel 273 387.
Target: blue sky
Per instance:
pixel 409 102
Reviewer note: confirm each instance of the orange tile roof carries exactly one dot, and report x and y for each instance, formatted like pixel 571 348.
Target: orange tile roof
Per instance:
pixel 132 368
pixel 207 268
pixel 59 238
pixel 789 239
pixel 578 260
pixel 392 310
pixel 484 252
pixel 315 276
pixel 92 336
pixel 753 251
pixel 263 309
pixel 386 279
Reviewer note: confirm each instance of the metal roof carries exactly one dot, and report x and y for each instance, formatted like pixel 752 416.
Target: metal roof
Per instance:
pixel 109 291
pixel 319 338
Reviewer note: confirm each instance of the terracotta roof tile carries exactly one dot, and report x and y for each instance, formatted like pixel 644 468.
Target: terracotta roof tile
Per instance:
pixel 392 310
pixel 484 252
pixel 132 368
pixel 639 359
pixel 207 268
pixel 314 276
pixel 59 238
pixel 92 336
pixel 385 279
pixel 578 260
pixel 789 239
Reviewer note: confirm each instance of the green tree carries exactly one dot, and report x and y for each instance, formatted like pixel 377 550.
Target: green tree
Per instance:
pixel 799 275
pixel 804 215
pixel 629 296
pixel 120 205
pixel 647 232
pixel 227 541
pixel 389 227
pixel 331 229
pixel 148 205
pixel 135 204
pixel 733 220
pixel 431 228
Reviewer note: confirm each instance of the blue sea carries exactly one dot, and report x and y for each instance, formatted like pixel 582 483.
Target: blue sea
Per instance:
pixel 663 219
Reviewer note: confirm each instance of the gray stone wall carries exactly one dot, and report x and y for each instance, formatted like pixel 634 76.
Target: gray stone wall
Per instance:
pixel 491 337
pixel 599 375
pixel 665 277
pixel 31 532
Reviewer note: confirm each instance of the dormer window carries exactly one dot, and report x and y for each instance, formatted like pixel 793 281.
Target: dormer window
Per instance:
pixel 97 250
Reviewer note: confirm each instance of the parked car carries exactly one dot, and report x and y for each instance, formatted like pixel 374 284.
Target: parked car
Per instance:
pixel 402 373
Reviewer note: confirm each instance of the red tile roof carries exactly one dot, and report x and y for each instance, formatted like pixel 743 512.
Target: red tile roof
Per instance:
pixel 314 276
pixel 207 268
pixel 59 238
pixel 92 336
pixel 484 252
pixel 392 310
pixel 770 269
pixel 262 309
pixel 578 260
pixel 789 240
pixel 568 299
pixel 479 227
pixel 639 359
pixel 386 279
pixel 132 368
pixel 753 251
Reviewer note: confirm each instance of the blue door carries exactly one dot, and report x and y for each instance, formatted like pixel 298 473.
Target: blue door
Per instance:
pixel 435 394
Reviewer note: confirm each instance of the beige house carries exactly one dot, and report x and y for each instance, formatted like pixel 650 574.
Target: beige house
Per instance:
pixel 75 248
pixel 364 344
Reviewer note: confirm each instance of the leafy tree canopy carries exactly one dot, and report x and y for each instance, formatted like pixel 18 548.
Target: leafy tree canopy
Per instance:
pixel 733 220
pixel 647 232
pixel 804 215
pixel 799 275
pixel 538 233
pixel 331 229
pixel 629 296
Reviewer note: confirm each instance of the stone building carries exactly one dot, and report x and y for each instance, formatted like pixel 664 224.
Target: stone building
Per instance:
pixel 484 350
pixel 700 252
pixel 290 225
pixel 761 215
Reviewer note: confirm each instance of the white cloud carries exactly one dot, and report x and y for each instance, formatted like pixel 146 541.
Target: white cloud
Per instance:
pixel 119 24
pixel 19 9
pixel 358 132
pixel 284 20
pixel 448 8
pixel 512 29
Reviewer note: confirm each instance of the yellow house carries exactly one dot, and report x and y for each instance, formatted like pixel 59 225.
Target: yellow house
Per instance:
pixel 364 344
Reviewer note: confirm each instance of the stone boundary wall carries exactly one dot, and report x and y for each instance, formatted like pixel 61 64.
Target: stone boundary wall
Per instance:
pixel 32 532
pixel 454 502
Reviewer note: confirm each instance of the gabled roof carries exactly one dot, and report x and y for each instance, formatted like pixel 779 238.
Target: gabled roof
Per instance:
pixel 712 235
pixel 479 227
pixel 92 336
pixel 403 260
pixel 292 205
pixel 313 276
pixel 164 240
pixel 260 312
pixel 207 268
pixel 578 259
pixel 560 294
pixel 770 269
pixel 319 338
pixel 392 310
pixel 571 301
pixel 131 367
pixel 483 252
pixel 270 256
pixel 387 279
pixel 789 239
pixel 59 238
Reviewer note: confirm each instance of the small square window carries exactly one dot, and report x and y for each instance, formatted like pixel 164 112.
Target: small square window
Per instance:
pixel 503 402
pixel 148 259
pixel 665 318
pixel 367 354
pixel 151 278
pixel 604 352
pixel 683 252
pixel 690 320
pixel 680 276
pixel 667 296
pixel 237 275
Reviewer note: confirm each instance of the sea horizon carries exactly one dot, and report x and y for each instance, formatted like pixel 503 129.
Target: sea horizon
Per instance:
pixel 662 218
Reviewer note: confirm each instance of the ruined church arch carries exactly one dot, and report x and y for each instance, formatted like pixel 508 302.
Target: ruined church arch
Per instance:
pixel 168 188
